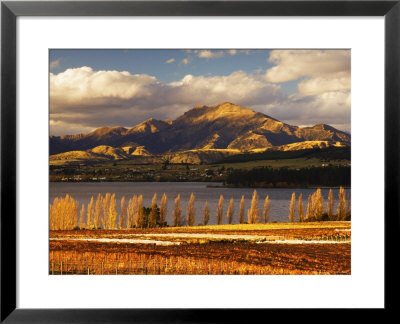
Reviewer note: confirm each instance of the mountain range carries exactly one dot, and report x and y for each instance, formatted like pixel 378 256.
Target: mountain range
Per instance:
pixel 205 133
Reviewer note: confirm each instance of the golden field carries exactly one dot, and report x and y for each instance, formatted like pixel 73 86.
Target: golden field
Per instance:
pixel 243 249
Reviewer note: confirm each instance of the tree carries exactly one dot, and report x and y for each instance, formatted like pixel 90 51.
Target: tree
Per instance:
pixel 329 206
pixel 300 208
pixel 90 214
pixel 131 212
pixel 292 206
pixel 82 224
pixel 254 212
pixel 220 209
pixel 53 215
pixel 72 211
pixel 106 211
pixel 163 209
pixel 177 212
pixel 206 214
pixel 153 212
pixel 241 210
pixel 70 207
pixel 122 217
pixel 112 212
pixel 190 211
pixel 229 213
pixel 318 204
pixel 309 208
pixel 341 210
pixel 267 204
pixel 348 207
pixel 63 213
pixel 97 222
pixel 139 217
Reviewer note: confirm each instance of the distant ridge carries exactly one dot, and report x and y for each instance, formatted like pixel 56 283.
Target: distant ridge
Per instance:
pixel 203 128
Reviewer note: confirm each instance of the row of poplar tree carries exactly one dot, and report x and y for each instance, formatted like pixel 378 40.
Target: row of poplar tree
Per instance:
pixel 102 212
pixel 315 207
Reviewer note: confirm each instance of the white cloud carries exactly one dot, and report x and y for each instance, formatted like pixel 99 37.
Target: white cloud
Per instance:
pixel 210 54
pixel 322 70
pixel 83 96
pixel 331 108
pixel 83 99
pixel 335 82
pixel 69 128
pixel 185 61
pixel 54 64
pixel 171 60
pixel 232 52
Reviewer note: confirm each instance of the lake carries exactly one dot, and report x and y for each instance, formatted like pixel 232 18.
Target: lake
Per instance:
pixel 280 198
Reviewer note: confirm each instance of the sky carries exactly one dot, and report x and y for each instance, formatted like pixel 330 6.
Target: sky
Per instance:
pixel 123 87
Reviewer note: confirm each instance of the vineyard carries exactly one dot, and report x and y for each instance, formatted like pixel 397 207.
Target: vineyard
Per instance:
pixel 299 248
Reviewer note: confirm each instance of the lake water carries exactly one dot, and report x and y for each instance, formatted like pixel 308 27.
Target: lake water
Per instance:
pixel 279 208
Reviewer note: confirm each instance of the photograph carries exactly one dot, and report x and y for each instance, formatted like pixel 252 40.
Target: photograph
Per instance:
pixel 229 161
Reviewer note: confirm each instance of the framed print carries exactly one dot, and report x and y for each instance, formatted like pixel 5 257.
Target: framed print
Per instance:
pixel 180 156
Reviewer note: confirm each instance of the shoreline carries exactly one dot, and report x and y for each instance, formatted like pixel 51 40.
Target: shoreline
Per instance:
pixel 213 186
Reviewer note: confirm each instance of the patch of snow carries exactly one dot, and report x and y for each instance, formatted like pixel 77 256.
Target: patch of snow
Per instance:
pixel 304 242
pixel 114 240
pixel 209 236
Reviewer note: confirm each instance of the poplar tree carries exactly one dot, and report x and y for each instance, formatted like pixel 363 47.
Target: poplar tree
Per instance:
pixel 177 212
pixel 190 211
pixel 267 204
pixel 63 213
pixel 139 217
pixel 206 214
pixel 341 210
pixel 241 210
pixel 122 217
pixel 348 207
pixel 292 206
pixel 152 222
pixel 71 208
pixel 253 214
pixel 300 208
pixel 318 205
pixel 90 214
pixel 112 212
pixel 82 217
pixel 97 221
pixel 52 216
pixel 163 209
pixel 106 211
pixel 131 212
pixel 329 206
pixel 229 213
pixel 309 209
pixel 220 209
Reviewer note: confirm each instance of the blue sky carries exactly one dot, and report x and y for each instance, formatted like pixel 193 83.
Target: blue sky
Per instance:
pixel 153 62
pixel 93 88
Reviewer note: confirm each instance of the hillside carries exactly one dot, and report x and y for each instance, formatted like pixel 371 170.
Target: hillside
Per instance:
pixel 202 134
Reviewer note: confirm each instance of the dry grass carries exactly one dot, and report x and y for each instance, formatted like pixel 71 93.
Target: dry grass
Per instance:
pixel 269 226
pixel 198 259
pixel 204 256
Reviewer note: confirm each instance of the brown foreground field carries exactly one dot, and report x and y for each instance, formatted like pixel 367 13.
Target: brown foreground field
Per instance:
pixel 275 248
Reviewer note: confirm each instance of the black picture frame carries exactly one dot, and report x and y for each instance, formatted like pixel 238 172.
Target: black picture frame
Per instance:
pixel 10 10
